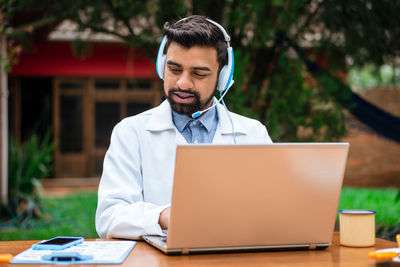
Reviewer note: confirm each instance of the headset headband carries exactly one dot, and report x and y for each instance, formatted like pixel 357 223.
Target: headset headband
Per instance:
pixel 226 36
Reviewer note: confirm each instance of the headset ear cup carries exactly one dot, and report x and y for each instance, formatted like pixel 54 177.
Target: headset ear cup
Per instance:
pixel 161 58
pixel 222 79
pixel 226 74
pixel 162 66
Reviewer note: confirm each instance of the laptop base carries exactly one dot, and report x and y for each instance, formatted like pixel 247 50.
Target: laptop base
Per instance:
pixel 160 243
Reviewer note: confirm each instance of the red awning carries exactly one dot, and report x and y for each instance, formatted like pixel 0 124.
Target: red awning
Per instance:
pixel 102 60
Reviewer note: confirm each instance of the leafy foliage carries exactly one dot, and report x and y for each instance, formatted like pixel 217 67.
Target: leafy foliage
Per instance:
pixel 371 76
pixel 27 163
pixel 273 40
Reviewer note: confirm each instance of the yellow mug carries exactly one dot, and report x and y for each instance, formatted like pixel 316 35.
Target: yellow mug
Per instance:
pixel 357 228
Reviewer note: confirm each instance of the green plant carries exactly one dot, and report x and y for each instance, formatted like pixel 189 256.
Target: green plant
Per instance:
pixel 27 163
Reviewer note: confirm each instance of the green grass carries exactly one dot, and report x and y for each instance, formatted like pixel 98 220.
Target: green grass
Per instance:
pixel 383 201
pixel 73 215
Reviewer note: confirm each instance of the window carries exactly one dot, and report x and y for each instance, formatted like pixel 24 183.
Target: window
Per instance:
pixel 107 84
pixel 107 114
pixel 136 108
pixel 70 123
pixel 139 84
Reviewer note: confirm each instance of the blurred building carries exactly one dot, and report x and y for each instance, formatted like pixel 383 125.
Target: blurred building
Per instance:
pixel 80 90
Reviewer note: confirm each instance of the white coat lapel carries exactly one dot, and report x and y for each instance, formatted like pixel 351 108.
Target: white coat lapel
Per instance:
pixel 161 118
pixel 224 133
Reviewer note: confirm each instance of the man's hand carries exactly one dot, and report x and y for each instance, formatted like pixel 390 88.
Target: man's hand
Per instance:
pixel 163 221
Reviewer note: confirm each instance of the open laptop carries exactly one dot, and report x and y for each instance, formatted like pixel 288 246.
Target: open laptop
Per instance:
pixel 251 197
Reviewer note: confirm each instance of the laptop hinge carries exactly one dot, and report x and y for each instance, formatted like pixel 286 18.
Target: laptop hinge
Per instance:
pixel 313 246
pixel 185 251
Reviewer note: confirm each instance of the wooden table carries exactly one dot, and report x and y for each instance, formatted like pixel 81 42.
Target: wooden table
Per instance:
pixel 145 255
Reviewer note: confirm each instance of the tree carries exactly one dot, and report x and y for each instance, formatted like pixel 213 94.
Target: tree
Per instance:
pixel 279 45
pixel 275 81
pixel 294 97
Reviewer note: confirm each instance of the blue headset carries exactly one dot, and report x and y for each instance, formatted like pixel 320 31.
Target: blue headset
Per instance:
pixel 225 80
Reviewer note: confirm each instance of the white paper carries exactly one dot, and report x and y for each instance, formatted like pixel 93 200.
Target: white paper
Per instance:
pixel 101 251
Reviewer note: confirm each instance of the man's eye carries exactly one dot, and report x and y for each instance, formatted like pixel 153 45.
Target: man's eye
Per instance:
pixel 174 70
pixel 200 75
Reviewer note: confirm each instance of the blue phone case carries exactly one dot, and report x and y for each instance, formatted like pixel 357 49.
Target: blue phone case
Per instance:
pixel 74 241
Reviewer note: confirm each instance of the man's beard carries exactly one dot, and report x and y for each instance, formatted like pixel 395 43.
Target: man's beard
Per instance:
pixel 188 109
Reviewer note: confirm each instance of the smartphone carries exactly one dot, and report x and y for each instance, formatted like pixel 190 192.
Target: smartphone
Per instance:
pixel 58 243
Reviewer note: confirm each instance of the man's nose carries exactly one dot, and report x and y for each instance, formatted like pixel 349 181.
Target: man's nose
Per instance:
pixel 185 82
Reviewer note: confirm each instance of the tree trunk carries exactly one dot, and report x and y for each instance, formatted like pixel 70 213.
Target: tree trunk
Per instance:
pixel 3 123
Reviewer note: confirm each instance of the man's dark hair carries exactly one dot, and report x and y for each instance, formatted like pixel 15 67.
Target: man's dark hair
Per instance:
pixel 196 30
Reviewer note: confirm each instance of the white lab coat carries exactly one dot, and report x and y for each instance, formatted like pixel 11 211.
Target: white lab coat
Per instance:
pixel 136 184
